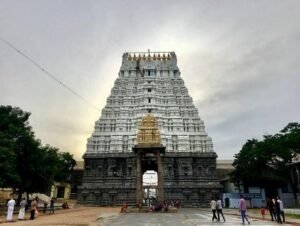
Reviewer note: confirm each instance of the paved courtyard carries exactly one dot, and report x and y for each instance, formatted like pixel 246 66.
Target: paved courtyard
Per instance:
pixel 97 216
pixel 185 217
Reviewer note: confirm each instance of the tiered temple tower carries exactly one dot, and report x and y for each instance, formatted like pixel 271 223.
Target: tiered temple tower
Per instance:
pixel 149 87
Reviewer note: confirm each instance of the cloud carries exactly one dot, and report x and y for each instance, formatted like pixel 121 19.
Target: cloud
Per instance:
pixel 238 59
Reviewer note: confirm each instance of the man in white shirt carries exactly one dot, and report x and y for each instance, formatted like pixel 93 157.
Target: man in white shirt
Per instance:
pixel 213 206
pixel 281 208
pixel 219 209
pixel 22 209
pixel 11 204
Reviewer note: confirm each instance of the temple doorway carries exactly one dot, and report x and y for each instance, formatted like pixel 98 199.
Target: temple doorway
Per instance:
pixel 150 182
pixel 149 151
pixel 149 159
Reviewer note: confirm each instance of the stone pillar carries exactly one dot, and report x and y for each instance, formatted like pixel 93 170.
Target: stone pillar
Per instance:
pixel 139 192
pixel 160 177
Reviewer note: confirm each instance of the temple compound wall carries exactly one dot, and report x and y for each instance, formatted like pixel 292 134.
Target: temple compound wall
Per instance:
pixel 149 101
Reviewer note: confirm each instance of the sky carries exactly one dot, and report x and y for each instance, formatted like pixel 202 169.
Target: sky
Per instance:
pixel 239 60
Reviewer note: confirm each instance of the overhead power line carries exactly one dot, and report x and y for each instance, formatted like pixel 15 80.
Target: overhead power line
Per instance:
pixel 46 72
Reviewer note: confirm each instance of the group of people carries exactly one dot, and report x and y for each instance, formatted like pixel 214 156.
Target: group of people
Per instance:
pixel 216 207
pixel 10 209
pixel 24 204
pixel 163 206
pixel 154 207
pixel 160 206
pixel 275 207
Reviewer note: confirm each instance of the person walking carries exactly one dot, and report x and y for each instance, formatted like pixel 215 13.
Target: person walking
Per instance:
pixel 124 207
pixel 271 208
pixel 277 208
pixel 23 204
pixel 220 209
pixel 33 209
pixel 243 209
pixel 51 210
pixel 10 209
pixel 262 212
pixel 281 209
pixel 213 206
pixel 45 206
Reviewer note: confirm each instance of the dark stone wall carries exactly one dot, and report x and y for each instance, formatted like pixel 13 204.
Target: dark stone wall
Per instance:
pixel 191 178
pixel 110 179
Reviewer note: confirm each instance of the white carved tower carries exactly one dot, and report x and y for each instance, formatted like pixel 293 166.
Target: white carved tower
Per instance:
pixel 149 83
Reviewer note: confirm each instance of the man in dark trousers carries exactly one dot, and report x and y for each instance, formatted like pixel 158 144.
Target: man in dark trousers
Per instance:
pixel 220 209
pixel 33 208
pixel 52 205
pixel 278 212
pixel 271 208
pixel 213 206
pixel 281 209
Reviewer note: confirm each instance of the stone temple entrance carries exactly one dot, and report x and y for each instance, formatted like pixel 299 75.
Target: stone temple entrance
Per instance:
pixel 148 156
pixel 180 175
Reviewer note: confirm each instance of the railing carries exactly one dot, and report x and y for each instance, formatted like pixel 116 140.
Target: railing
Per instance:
pixel 151 52
pixel 150 55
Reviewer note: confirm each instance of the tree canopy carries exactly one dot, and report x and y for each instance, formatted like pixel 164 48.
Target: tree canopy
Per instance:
pixel 267 161
pixel 25 164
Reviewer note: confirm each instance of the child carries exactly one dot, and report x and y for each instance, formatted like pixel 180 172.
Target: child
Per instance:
pixel 124 207
pixel 263 212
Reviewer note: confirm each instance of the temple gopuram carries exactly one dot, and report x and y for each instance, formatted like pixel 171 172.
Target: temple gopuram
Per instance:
pixel 149 124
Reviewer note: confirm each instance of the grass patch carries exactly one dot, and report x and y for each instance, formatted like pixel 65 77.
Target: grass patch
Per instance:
pixel 295 216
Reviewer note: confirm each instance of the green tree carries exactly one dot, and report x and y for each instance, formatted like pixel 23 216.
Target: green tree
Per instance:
pixel 267 161
pixel 13 126
pixel 65 165
pixel 8 173
pixel 25 164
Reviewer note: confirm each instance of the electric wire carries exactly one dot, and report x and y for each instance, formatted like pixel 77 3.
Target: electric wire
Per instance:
pixel 46 72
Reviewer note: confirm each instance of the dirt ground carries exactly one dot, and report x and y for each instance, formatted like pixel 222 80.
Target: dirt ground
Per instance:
pixel 80 216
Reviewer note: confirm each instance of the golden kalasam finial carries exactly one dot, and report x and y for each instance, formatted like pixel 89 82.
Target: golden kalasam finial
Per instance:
pixel 144 57
pixel 169 56
pixel 164 57
pixel 134 57
pixel 158 57
pixel 154 57
pixel 129 57
pixel 148 132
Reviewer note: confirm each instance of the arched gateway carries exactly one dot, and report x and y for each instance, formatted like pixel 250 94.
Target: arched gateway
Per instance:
pixel 149 123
